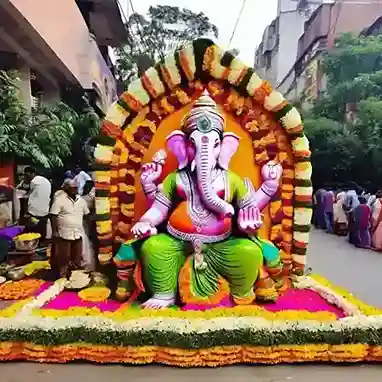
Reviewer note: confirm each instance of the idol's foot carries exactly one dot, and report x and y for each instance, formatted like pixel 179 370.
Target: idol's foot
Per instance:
pixel 160 301
pixel 247 300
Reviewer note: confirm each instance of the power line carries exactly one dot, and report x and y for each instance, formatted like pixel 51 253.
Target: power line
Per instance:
pixel 237 22
pixel 124 16
pixel 126 20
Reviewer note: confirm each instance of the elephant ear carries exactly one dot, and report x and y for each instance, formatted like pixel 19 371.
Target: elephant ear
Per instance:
pixel 229 145
pixel 177 144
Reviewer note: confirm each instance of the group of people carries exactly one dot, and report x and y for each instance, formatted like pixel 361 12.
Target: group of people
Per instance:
pixel 350 212
pixel 66 213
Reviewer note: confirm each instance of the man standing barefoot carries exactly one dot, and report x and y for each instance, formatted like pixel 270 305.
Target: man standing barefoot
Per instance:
pixel 67 214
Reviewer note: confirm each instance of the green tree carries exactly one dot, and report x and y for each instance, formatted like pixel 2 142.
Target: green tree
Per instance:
pixel 15 123
pixel 87 127
pixel 352 149
pixel 48 137
pixel 164 29
pixel 354 72
pixel 332 148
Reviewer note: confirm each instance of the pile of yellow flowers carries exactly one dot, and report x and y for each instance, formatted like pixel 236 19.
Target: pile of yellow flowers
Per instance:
pixel 36 266
pixel 17 290
pixel 94 294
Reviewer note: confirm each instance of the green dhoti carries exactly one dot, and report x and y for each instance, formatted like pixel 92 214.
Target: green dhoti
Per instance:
pixel 237 260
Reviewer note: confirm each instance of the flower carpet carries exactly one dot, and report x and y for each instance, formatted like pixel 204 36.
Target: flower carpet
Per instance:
pixel 312 322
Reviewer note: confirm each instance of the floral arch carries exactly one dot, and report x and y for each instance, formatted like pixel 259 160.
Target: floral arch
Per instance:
pixel 273 126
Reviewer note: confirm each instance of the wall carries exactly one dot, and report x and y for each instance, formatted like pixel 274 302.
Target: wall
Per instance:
pixel 290 30
pixel 367 12
pixel 102 77
pixel 287 82
pixel 317 26
pixel 50 19
pixel 286 5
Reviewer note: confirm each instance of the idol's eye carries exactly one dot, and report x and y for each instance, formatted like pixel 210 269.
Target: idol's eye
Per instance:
pixel 217 144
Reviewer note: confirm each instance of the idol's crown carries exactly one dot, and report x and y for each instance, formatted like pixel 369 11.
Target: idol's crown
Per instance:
pixel 204 116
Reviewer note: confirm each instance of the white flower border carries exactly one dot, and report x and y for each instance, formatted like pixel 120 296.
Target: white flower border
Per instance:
pixel 26 320
pixel 327 294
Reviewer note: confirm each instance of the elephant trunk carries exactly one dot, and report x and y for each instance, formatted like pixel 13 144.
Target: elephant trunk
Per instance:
pixel 205 163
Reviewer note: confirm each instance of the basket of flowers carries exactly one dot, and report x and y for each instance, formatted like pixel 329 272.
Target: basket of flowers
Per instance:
pixel 27 241
pixel 78 280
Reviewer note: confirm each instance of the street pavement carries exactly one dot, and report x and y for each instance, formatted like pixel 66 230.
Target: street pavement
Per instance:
pixel 357 270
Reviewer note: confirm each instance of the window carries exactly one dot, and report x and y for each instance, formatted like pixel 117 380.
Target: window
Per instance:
pixel 268 60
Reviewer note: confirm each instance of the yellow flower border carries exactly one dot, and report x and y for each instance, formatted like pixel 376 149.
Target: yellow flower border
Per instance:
pixel 212 357
pixel 365 309
pixel 14 308
pixel 124 314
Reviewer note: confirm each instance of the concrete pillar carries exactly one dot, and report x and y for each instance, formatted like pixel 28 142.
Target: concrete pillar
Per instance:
pixel 25 84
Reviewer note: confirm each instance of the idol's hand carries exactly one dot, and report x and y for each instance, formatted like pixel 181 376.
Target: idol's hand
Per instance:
pixel 143 229
pixel 250 220
pixel 153 170
pixel 271 171
pixel 150 173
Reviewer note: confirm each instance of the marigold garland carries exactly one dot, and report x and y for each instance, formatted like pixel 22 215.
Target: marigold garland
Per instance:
pixel 197 62
pixel 212 357
pixel 203 338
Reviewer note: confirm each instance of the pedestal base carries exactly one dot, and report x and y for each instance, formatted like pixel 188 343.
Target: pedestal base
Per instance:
pixel 315 322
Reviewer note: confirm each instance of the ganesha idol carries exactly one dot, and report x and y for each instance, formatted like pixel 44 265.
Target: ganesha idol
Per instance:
pixel 198 239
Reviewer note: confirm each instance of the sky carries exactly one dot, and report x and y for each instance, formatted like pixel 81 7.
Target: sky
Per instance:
pixel 256 16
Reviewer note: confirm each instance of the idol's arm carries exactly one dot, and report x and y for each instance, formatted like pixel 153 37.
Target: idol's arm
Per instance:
pixel 158 212
pixel 151 173
pixel 264 194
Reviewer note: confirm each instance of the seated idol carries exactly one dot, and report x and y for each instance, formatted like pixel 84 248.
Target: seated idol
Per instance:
pixel 204 213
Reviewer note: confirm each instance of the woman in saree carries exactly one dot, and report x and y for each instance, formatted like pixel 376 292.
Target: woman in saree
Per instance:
pixel 362 216
pixel 376 223
pixel 350 204
pixel 319 214
pixel 339 215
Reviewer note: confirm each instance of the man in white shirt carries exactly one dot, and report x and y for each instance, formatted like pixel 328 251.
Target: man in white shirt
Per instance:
pixel 38 200
pixel 67 215
pixel 81 178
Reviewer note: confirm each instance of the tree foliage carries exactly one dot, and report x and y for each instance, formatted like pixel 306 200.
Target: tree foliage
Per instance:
pixel 44 137
pixel 150 37
pixel 352 149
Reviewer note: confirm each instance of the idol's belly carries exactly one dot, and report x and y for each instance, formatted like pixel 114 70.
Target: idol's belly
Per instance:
pixel 188 225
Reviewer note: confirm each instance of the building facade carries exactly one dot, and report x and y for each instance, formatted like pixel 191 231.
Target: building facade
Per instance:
pixel 306 81
pixel 60 45
pixel 278 49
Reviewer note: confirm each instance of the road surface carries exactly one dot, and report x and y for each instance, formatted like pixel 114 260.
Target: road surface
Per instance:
pixel 357 270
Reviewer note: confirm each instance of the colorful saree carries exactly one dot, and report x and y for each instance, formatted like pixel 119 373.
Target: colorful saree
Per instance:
pixel 339 215
pixel 376 225
pixel 362 215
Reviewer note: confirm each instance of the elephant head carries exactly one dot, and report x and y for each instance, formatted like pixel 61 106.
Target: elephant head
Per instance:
pixel 203 146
